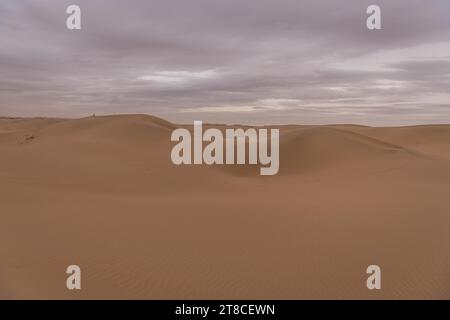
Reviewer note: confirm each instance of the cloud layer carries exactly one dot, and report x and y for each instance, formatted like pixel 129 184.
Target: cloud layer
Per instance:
pixel 265 61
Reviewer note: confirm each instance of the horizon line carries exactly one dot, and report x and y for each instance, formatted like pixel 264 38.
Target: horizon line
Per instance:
pixel 217 123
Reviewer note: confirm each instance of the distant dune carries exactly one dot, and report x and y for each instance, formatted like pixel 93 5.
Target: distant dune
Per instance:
pixel 102 193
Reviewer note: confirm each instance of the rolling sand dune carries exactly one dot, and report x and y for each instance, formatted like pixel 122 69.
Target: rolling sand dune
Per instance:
pixel 102 193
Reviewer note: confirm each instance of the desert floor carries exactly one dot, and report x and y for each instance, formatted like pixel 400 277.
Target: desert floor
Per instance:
pixel 102 193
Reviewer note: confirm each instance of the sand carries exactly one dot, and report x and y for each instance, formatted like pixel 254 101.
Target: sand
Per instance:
pixel 102 193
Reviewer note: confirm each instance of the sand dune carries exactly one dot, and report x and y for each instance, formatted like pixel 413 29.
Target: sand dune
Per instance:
pixel 102 193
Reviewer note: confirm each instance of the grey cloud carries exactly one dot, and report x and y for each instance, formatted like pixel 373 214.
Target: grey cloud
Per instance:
pixel 265 50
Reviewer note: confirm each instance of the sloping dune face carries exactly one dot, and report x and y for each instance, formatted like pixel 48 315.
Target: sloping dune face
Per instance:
pixel 102 193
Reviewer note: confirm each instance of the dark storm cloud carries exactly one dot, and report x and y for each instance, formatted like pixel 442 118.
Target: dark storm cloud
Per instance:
pixel 259 61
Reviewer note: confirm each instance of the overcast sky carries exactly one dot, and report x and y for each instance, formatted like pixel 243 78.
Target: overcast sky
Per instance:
pixel 239 61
